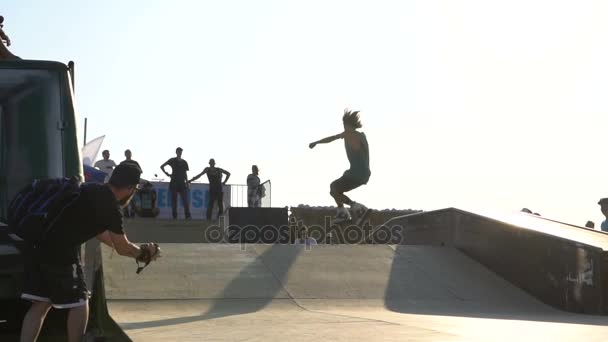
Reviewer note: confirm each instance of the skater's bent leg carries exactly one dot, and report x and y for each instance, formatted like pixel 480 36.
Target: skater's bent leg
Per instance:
pixel 334 192
pixel 341 199
pixel 337 189
pixel 344 199
pixel 32 322
pixel 77 322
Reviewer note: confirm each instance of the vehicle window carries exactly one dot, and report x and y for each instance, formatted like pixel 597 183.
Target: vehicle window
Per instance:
pixel 30 139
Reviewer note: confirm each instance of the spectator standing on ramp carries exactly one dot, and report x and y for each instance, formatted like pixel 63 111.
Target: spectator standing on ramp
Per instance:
pixel 178 184
pixel 106 165
pixel 254 188
pixel 604 208
pixel 5 54
pixel 357 151
pixel 216 193
pixel 128 160
pixel 53 273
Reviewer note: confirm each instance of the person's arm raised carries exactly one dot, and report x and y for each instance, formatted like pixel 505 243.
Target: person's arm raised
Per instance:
pixel 327 140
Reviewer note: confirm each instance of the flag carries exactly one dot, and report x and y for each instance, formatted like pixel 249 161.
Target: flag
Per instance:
pixel 92 175
pixel 91 149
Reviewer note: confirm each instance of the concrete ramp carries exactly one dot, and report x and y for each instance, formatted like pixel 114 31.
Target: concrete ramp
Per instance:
pixel 192 271
pixel 276 292
pixel 224 271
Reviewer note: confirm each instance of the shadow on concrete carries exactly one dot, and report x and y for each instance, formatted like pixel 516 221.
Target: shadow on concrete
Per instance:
pixel 445 282
pixel 282 257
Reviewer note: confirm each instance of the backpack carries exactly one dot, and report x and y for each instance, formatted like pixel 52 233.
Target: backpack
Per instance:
pixel 35 209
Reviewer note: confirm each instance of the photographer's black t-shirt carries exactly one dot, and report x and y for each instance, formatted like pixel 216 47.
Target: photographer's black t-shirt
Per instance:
pixel 95 211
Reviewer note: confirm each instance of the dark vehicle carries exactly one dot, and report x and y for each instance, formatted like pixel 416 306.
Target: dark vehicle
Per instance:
pixel 38 139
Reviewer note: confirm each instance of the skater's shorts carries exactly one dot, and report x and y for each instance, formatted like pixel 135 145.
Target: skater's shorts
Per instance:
pixel 348 182
pixel 61 285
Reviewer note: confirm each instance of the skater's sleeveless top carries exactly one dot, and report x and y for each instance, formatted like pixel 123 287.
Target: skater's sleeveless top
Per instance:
pixel 359 160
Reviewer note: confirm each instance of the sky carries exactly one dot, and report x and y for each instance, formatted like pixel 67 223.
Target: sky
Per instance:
pixel 470 104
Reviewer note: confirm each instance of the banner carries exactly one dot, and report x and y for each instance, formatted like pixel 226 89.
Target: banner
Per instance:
pixel 198 196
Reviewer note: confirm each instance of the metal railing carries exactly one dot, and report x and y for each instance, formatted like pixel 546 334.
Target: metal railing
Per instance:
pixel 238 195
pixel 266 201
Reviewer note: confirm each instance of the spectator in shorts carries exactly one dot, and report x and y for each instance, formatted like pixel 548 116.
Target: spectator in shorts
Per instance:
pixel 216 193
pixel 178 183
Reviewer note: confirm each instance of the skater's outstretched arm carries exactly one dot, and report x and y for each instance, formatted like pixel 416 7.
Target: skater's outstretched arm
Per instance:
pixel 327 140
pixel 199 175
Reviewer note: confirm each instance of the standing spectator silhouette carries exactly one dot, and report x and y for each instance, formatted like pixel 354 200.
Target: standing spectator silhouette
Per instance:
pixel 130 211
pixel 604 208
pixel 254 191
pixel 178 184
pixel 129 160
pixel 106 165
pixel 5 54
pixel 216 193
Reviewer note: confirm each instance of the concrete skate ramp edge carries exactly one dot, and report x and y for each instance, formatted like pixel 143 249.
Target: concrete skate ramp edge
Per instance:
pixel 562 265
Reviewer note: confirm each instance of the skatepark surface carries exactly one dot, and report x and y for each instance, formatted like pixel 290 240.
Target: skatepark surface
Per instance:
pixel 257 292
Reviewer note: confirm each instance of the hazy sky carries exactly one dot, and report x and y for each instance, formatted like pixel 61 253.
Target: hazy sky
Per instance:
pixel 493 104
